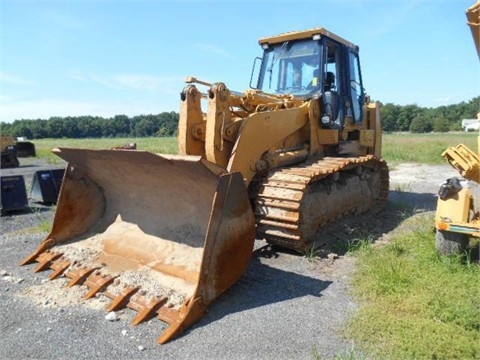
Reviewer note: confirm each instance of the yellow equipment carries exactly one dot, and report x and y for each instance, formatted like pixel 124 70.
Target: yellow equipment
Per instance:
pixel 13 149
pixel 167 234
pixel 473 21
pixel 9 158
pixel 457 216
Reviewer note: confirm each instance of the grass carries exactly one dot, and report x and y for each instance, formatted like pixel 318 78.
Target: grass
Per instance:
pixel 44 224
pixel 399 148
pixel 416 304
pixel 404 187
pixel 313 252
pixel 350 354
pixel 44 147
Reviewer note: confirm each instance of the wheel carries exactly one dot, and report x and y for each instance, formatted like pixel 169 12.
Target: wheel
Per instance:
pixel 450 243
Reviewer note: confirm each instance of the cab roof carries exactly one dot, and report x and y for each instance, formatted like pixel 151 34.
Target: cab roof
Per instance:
pixel 305 34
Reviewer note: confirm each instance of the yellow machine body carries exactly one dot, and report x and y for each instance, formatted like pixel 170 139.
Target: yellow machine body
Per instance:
pixel 167 234
pixel 457 216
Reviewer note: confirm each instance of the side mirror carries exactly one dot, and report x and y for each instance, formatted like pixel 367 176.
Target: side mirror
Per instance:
pixel 329 101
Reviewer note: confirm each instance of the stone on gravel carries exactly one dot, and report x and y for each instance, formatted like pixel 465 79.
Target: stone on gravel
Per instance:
pixel 12 279
pixel 332 256
pixel 111 316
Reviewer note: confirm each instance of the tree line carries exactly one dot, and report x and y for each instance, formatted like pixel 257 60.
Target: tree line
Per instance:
pixel 418 119
pixel 78 127
pixel 394 117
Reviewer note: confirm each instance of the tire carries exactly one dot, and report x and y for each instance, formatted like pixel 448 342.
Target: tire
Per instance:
pixel 450 243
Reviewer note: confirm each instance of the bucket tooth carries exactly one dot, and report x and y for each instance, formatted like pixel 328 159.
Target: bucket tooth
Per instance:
pixel 59 266
pixel 192 311
pixel 121 300
pixel 46 259
pixel 97 282
pixel 79 275
pixel 168 314
pixel 146 306
pixel 44 246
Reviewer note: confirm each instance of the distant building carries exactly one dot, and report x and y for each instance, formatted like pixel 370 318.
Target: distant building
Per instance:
pixel 470 124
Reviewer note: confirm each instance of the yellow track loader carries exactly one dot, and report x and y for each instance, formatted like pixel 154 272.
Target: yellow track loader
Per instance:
pixel 457 217
pixel 167 234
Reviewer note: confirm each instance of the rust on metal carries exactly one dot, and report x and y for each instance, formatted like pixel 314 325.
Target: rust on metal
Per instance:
pixel 163 235
pixel 294 202
pixel 59 267
pixel 79 274
pixel 46 259
pixel 121 300
pixel 97 282
pixel 146 306
pixel 44 246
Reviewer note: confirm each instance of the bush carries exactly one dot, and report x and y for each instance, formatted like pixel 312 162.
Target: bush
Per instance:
pixel 421 124
pixel 441 124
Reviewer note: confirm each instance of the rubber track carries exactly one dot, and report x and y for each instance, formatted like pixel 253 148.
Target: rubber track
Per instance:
pixel 280 202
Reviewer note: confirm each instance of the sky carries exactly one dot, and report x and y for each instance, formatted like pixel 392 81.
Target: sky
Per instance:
pixel 111 57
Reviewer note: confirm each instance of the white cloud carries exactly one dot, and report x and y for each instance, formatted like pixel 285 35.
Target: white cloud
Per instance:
pixel 213 49
pixel 140 82
pixel 11 109
pixel 14 79
pixel 446 100
pixel 103 80
pixel 77 75
pixel 62 19
pixel 386 24
pixel 125 81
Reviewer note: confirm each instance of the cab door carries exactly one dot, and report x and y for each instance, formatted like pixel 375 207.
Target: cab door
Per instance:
pixel 357 95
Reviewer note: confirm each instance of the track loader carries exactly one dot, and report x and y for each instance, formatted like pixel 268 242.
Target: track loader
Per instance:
pixel 167 234
pixel 457 216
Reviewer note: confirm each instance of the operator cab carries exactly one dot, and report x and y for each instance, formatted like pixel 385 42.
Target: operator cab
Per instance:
pixel 315 64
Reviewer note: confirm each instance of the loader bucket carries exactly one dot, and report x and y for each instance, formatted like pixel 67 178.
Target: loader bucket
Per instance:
pixel 161 234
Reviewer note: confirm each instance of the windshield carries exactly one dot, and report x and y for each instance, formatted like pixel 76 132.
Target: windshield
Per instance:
pixel 291 68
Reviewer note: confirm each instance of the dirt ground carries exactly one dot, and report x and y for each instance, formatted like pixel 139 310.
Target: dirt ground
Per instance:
pixel 287 306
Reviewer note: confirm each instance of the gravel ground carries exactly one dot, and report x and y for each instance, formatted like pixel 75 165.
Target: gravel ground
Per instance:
pixel 286 306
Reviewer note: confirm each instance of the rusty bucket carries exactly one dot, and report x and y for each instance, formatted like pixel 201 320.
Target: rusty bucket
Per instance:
pixel 161 234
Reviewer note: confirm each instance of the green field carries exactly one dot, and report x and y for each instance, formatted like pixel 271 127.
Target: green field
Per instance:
pixel 397 147
pixel 423 148
pixel 165 145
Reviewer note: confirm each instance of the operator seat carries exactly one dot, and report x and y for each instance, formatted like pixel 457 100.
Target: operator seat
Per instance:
pixel 329 81
pixel 313 85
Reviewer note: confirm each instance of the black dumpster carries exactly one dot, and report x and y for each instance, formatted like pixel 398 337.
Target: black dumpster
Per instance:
pixel 25 149
pixel 13 193
pixel 46 186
